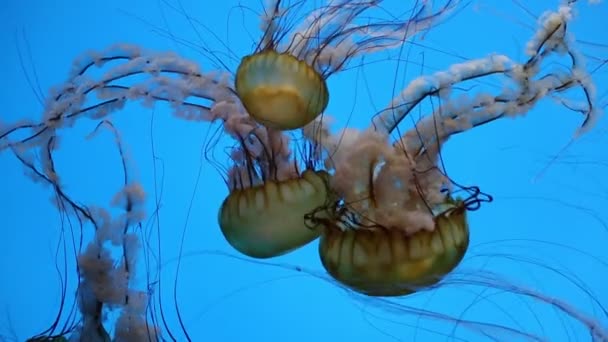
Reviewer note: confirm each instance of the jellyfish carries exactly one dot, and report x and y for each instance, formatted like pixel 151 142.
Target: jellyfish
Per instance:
pixel 387 236
pixel 382 262
pixel 282 84
pixel 290 177
pixel 398 227
pixel 266 181
pixel 262 215
pixel 285 91
pixel 280 91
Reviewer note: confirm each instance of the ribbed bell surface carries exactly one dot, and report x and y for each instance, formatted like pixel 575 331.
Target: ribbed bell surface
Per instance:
pixel 280 91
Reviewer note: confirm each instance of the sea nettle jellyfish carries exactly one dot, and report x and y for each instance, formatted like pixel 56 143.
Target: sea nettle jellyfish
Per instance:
pixel 397 227
pixel 270 193
pixel 390 220
pixel 280 86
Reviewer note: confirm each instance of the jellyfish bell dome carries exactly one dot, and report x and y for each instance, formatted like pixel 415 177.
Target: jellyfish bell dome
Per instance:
pixel 280 91
pixel 387 261
pixel 267 220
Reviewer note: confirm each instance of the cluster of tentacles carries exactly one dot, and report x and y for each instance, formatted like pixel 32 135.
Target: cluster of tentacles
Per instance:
pixel 384 208
pixel 389 219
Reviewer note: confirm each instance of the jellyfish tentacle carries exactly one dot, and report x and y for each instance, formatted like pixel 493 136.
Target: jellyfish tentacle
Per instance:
pixel 528 87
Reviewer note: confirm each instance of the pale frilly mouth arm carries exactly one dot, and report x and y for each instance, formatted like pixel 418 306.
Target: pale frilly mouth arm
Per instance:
pixel 524 85
pixel 373 163
pixel 352 153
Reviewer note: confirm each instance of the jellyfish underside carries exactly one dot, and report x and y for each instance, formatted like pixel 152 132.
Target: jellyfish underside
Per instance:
pixel 279 91
pixel 268 220
pixel 386 261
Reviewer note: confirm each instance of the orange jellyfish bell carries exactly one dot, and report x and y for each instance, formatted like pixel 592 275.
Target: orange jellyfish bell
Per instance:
pixel 382 261
pixel 267 220
pixel 280 91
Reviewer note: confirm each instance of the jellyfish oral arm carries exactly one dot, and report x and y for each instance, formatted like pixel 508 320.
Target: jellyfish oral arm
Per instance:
pixel 527 86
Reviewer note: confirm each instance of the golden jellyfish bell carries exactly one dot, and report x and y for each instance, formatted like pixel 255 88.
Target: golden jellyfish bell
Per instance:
pixel 268 220
pixel 388 262
pixel 280 91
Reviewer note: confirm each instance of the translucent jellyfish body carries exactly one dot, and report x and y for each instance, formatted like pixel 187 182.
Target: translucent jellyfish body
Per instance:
pixel 396 227
pixel 386 261
pixel 280 91
pixel 376 220
pixel 268 220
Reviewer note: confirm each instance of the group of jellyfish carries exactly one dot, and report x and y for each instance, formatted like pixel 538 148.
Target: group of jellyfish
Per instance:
pixel 388 218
